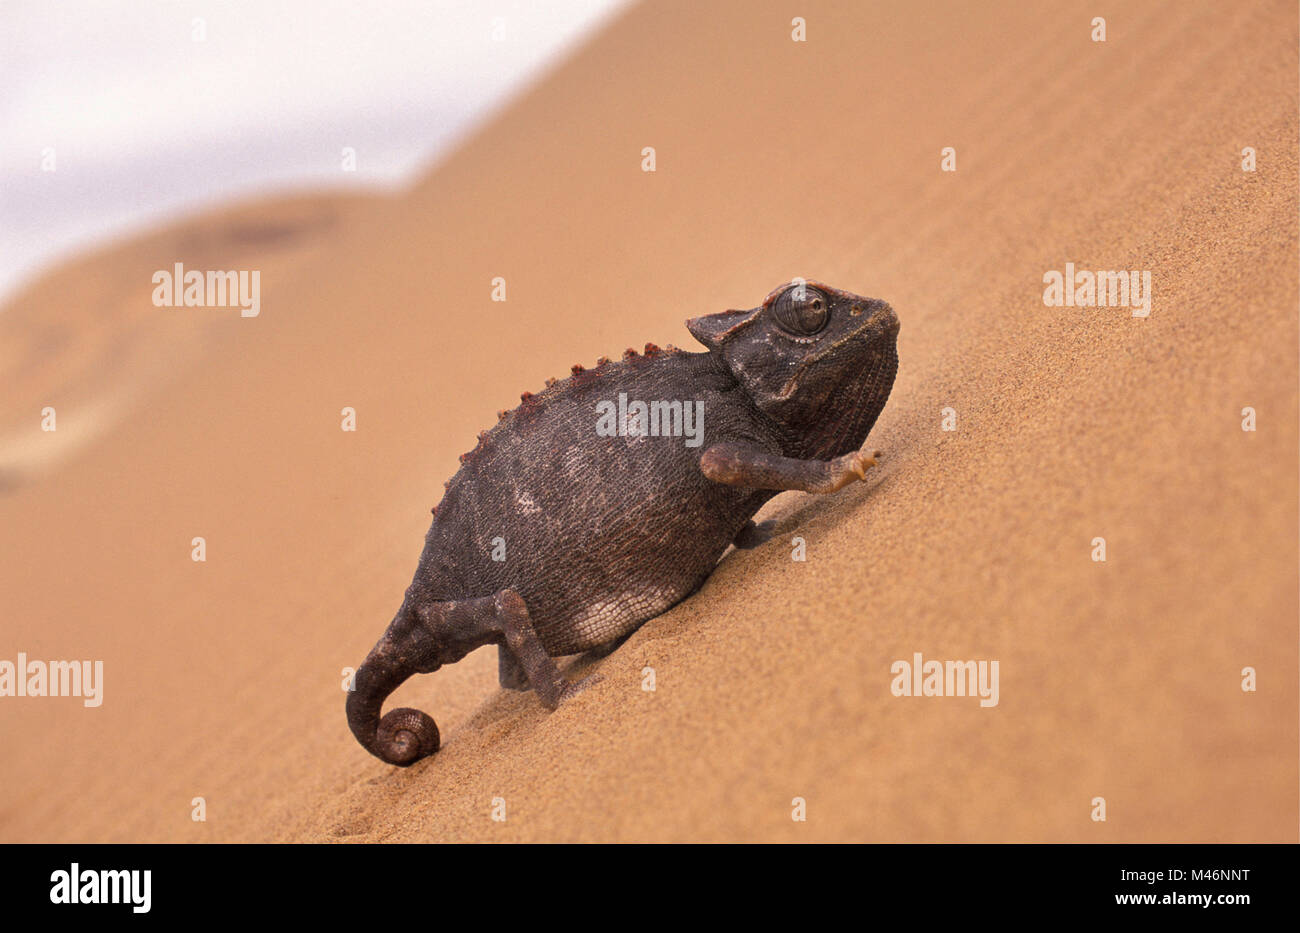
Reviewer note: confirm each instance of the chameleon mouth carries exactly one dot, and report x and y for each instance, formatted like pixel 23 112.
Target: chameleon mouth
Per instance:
pixel 884 319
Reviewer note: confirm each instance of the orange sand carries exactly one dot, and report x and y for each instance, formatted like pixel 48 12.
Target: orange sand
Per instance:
pixel 1118 679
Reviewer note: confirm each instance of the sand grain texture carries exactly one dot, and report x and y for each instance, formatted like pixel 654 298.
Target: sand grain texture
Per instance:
pixel 775 159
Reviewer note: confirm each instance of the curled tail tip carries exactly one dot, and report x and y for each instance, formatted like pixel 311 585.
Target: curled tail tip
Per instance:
pixel 405 736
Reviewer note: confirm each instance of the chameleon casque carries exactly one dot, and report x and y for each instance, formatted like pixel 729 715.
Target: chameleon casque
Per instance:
pixel 602 533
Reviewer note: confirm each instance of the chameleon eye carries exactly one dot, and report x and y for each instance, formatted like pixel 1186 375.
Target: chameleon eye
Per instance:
pixel 801 310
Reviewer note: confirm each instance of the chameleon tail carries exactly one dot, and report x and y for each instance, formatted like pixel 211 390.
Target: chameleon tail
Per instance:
pixel 403 736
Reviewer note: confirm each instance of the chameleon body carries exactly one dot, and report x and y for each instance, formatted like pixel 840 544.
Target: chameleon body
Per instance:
pixel 556 537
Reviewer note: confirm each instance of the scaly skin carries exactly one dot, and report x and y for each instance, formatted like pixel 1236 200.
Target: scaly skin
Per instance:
pixel 602 533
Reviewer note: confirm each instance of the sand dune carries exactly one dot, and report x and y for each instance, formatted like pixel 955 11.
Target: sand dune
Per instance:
pixel 85 339
pixel 1119 679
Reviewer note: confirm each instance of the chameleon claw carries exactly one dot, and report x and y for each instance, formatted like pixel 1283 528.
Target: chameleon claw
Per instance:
pixel 861 461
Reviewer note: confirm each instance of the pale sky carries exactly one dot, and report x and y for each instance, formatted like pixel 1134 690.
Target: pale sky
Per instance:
pixel 147 123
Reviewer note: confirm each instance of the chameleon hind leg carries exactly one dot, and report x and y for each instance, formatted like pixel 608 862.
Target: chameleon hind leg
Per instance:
pixel 424 636
pixel 510 673
pixel 460 626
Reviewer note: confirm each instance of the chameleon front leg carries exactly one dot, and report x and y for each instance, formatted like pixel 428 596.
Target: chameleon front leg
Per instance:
pixel 743 464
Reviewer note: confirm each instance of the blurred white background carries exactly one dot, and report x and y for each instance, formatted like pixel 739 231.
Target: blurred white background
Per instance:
pixel 154 108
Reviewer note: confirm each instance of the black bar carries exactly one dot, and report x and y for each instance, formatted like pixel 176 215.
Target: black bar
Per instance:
pixel 382 884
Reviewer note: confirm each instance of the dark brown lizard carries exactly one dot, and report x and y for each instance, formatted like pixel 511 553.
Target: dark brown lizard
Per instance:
pixel 597 524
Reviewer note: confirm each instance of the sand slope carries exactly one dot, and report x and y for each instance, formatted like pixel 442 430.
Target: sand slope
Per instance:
pixel 775 159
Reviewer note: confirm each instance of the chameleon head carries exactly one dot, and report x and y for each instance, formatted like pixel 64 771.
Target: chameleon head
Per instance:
pixel 817 360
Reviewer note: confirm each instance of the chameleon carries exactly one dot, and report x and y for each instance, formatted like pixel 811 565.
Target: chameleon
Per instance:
pixel 555 538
